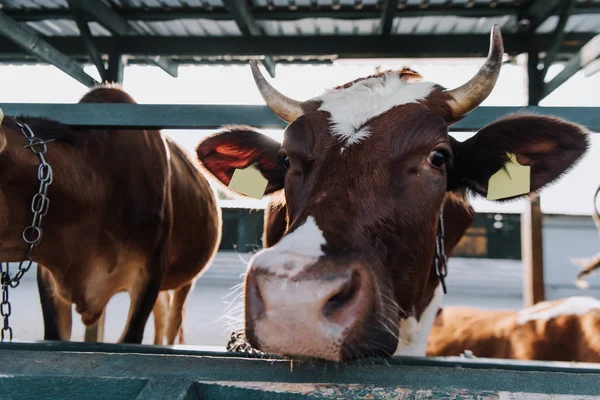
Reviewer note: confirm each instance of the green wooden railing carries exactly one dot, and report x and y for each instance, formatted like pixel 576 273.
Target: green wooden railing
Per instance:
pixel 110 371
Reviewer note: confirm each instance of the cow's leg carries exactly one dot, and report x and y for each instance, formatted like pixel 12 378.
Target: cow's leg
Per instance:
pixel 56 311
pixel 95 332
pixel 176 313
pixel 160 311
pixel 144 294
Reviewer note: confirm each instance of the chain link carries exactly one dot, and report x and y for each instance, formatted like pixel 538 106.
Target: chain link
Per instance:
pixel 439 260
pixel 32 234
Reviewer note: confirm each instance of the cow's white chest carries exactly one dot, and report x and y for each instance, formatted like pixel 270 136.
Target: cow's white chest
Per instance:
pixel 414 333
pixel 578 305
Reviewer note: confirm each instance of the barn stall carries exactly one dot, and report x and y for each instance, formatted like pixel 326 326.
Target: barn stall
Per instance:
pixel 112 34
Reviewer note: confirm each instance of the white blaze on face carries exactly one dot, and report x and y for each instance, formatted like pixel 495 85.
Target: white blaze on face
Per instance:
pixel 351 107
pixel 578 305
pixel 414 333
pixel 293 252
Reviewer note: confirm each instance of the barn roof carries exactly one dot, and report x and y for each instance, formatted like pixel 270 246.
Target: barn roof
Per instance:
pixel 171 32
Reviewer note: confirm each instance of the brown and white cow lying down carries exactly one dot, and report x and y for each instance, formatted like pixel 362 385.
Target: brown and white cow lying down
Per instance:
pixel 129 211
pixel 365 170
pixel 560 330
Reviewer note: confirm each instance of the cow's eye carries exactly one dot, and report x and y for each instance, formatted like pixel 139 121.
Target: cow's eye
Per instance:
pixel 437 158
pixel 285 161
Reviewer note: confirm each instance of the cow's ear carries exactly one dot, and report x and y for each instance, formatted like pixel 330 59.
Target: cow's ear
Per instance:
pixel 549 146
pixel 237 148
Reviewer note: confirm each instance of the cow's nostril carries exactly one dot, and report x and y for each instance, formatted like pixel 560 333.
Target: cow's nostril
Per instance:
pixel 254 301
pixel 342 298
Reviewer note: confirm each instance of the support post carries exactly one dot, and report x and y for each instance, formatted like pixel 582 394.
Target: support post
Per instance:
pixel 116 67
pixel 532 250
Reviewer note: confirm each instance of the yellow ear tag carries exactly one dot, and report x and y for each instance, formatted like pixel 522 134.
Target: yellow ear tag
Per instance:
pixel 1 116
pixel 512 180
pixel 248 181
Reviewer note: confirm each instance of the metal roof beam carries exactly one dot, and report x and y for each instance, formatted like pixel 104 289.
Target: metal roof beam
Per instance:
pixel 387 16
pixel 373 46
pixel 558 36
pixel 245 21
pixel 33 44
pixel 588 53
pixel 117 25
pixel 541 10
pixel 87 38
pixel 284 14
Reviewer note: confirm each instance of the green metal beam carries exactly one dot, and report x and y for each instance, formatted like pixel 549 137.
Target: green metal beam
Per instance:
pixel 248 26
pixel 387 16
pixel 558 35
pixel 105 16
pixel 396 46
pixel 116 68
pixel 33 44
pixel 186 116
pixel 588 53
pixel 87 38
pixel 541 10
pixel 118 25
pixel 285 14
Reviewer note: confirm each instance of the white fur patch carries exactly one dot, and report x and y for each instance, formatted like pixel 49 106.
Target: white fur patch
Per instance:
pixel 351 107
pixel 578 305
pixel 414 334
pixel 294 251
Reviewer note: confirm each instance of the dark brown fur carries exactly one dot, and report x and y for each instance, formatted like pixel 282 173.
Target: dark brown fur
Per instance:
pixel 122 218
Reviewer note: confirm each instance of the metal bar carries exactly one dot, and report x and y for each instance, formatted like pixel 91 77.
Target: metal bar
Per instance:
pixel 374 46
pixel 387 16
pixel 169 66
pixel 285 14
pixel 87 38
pixel 116 68
pixel 541 10
pixel 34 45
pixel 106 16
pixel 588 53
pixel 558 36
pixel 248 26
pixel 186 116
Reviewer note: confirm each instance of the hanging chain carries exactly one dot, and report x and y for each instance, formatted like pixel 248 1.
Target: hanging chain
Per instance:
pixel 440 260
pixel 32 235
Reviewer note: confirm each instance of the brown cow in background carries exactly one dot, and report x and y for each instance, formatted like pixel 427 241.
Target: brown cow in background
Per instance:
pixel 129 211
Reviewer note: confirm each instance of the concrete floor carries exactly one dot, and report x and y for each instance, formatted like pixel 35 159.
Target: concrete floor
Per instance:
pixel 213 302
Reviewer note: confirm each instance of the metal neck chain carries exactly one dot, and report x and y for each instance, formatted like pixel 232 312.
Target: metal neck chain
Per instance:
pixel 439 259
pixel 32 235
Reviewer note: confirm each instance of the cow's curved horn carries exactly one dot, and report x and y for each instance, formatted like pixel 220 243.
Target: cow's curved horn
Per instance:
pixel 468 96
pixel 287 109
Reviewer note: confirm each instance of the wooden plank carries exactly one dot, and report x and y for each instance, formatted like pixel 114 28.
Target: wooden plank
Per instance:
pixel 187 116
pixel 532 254
pixel 235 377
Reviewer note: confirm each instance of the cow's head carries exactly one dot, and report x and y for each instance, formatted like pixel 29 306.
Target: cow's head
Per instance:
pixel 365 170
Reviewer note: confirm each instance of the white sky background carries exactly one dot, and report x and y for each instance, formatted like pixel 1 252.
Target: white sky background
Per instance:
pixel 234 85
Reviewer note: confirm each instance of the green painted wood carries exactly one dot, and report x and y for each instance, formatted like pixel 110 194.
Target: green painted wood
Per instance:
pixel 168 388
pixel 186 116
pixel 223 375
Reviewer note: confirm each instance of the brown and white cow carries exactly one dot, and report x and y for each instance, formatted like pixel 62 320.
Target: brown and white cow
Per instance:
pixel 129 211
pixel 365 170
pixel 560 330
